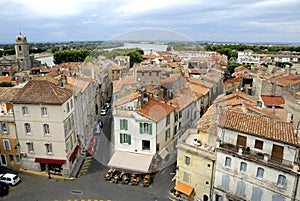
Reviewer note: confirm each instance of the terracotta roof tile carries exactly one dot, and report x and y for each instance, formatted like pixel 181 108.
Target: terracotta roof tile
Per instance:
pixel 118 84
pixel 172 78
pixel 8 93
pixel 201 82
pixel 6 78
pixel 155 110
pixel 288 79
pixel 41 91
pixel 259 126
pixel 273 100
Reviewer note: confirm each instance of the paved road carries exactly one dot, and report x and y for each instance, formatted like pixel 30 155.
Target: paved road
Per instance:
pixel 91 186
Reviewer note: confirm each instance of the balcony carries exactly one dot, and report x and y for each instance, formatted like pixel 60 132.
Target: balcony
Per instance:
pixel 255 156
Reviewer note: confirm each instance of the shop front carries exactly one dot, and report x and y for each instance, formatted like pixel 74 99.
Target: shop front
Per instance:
pixel 51 166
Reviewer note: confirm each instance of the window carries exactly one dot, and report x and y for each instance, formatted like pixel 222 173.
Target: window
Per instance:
pixel 6 144
pixel 281 180
pixel 11 158
pixel 256 194
pixel 187 160
pixel 186 177
pixel 157 73
pixel 46 129
pixel 4 128
pixel 258 144
pixel 48 148
pixel 25 110
pixel 27 128
pixel 68 107
pixel 175 130
pixel 260 173
pixel 225 182
pixel 227 162
pixel 71 103
pixel 241 141
pixel 277 198
pixel 145 128
pixel 240 189
pixel 150 73
pixel 180 114
pixel 124 124
pixel 219 198
pixel 168 120
pixel 125 138
pixel 167 134
pixel 243 167
pixel 18 158
pixel 30 146
pixel 145 144
pixel 44 111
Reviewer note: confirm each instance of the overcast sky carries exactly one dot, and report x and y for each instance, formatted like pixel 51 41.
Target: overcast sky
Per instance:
pixel 194 20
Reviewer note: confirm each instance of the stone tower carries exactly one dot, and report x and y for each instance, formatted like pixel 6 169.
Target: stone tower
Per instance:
pixel 22 53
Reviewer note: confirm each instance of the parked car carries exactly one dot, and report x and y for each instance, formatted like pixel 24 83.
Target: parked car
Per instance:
pixel 3 189
pixel 10 179
pixel 97 128
pixel 103 112
pixel 91 150
pixel 107 105
pixel 92 146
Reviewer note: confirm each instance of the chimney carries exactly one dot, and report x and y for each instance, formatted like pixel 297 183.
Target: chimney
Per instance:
pixel 288 70
pixel 274 88
pixel 273 109
pixel 60 82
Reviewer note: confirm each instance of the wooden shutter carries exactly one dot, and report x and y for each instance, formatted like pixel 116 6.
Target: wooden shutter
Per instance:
pixel 7 129
pixel 150 129
pixel 240 189
pixel 129 139
pixel 121 125
pixel 126 124
pixel 277 152
pixel 121 140
pixel 258 144
pixel 8 107
pixel 241 141
pixel 225 182
pixel 141 128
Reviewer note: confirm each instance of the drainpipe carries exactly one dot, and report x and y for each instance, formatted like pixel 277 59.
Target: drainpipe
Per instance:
pixel 212 179
pixel 295 188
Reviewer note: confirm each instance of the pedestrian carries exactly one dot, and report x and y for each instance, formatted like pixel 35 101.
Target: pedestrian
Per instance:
pixel 49 176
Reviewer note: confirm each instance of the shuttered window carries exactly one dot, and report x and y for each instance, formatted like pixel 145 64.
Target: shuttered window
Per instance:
pixel 277 198
pixel 125 138
pixel 145 128
pixel 256 194
pixel 277 153
pixel 241 141
pixel 240 189
pixel 124 124
pixel 225 182
pixel 259 144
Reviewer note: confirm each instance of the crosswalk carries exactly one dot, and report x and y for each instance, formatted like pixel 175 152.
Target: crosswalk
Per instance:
pixel 83 200
pixel 86 165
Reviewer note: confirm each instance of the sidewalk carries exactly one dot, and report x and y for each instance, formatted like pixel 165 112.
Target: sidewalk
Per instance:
pixel 46 175
pixel 74 174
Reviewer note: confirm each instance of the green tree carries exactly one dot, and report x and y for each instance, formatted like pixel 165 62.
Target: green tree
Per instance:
pixel 135 57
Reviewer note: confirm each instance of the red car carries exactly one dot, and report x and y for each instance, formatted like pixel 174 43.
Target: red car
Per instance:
pixel 92 146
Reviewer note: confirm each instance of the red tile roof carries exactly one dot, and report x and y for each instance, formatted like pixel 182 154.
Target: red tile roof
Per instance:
pixel 155 110
pixel 8 93
pixel 6 78
pixel 236 79
pixel 172 78
pixel 259 126
pixel 273 100
pixel 289 79
pixel 42 91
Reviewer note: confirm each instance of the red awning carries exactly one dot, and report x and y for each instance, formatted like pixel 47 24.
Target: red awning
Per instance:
pixel 49 161
pixel 73 155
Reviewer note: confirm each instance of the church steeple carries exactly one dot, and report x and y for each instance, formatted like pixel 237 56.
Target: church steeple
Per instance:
pixel 22 52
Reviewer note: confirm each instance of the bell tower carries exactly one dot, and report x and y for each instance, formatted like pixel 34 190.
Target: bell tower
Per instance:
pixel 22 53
